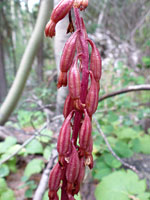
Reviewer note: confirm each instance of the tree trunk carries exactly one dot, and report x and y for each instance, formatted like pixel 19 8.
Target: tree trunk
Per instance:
pixel 60 39
pixel 40 63
pixel 3 83
pixel 26 63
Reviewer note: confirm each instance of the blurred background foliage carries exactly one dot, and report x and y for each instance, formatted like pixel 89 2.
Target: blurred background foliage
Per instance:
pixel 121 30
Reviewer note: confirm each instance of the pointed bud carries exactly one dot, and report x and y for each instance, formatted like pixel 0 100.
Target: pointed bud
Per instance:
pixel 68 106
pixel 72 170
pixel 50 29
pixel 61 10
pixel 63 143
pixel 68 53
pixel 74 81
pixel 55 177
pixel 85 132
pixel 62 79
pixel 92 96
pixel 96 63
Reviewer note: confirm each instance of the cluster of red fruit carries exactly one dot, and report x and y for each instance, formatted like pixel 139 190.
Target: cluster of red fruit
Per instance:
pixel 75 142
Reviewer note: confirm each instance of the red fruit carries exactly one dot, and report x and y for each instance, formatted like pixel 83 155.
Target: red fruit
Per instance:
pixel 80 176
pixel 85 132
pixel 61 10
pixel 68 106
pixel 50 29
pixel 72 171
pixel 74 81
pixel 96 63
pixel 63 143
pixel 55 177
pixel 68 53
pixel 62 79
pixel 92 96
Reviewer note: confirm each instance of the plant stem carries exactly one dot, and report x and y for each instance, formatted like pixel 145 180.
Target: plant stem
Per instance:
pixel 85 75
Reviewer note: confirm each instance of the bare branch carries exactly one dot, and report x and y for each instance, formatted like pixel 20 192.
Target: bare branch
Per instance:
pixel 125 90
pixel 111 150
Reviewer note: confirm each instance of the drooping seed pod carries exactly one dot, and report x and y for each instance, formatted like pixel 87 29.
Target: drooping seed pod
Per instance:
pixel 68 106
pixel 85 132
pixel 50 29
pixel 54 180
pixel 96 63
pixel 92 96
pixel 63 143
pixel 88 156
pixel 72 170
pixel 62 79
pixel 61 10
pixel 80 176
pixel 74 81
pixel 68 53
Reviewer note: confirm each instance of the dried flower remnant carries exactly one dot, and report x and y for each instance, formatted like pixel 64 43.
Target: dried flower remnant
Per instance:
pixel 80 103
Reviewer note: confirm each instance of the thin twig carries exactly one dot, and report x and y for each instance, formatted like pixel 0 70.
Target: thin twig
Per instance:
pixel 126 90
pixel 111 150
pixel 44 179
pixel 22 146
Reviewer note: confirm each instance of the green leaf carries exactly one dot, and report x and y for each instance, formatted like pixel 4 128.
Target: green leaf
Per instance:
pixel 112 117
pixel 145 144
pixel 8 194
pixel 33 167
pixel 101 169
pixel 146 60
pixel 120 185
pixel 122 149
pixel 135 145
pixel 9 141
pixel 3 185
pixel 111 161
pixel 28 193
pixel 126 133
pixel 45 138
pixel 4 170
pixel 47 152
pixel 34 147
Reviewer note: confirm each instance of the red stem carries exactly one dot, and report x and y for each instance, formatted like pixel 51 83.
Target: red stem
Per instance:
pixel 85 75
